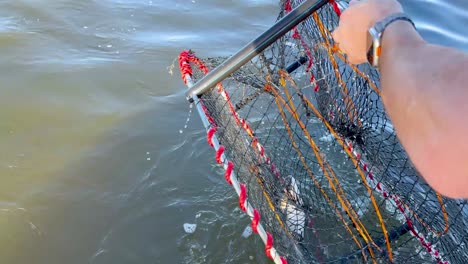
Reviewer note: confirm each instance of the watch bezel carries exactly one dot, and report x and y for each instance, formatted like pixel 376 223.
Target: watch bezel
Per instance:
pixel 373 54
pixel 376 33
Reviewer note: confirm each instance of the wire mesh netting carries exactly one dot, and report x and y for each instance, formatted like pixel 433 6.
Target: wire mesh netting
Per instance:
pixel 309 137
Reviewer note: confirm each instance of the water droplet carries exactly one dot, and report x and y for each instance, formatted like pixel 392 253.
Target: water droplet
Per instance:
pixel 188 118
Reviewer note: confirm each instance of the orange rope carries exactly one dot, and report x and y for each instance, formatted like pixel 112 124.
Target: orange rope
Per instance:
pixel 363 177
pixel 346 97
pixel 378 92
pixel 343 200
pixel 319 159
pixel 426 225
pixel 340 55
pixel 317 184
pixel 363 75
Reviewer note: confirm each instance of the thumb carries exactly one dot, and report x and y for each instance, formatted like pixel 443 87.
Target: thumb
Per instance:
pixel 336 35
pixel 338 39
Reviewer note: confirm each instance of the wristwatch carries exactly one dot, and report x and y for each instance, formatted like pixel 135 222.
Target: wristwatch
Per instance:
pixel 376 33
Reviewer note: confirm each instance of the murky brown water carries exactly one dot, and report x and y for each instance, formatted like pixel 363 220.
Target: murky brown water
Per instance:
pixel 93 168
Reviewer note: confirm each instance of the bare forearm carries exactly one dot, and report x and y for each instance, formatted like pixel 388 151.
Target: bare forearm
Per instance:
pixel 425 94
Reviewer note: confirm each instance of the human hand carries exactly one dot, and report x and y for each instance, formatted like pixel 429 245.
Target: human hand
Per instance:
pixel 352 33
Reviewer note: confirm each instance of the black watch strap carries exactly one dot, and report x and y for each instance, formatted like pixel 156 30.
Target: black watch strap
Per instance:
pixel 381 25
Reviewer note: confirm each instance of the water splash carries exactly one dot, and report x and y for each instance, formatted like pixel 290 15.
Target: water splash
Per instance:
pixel 181 131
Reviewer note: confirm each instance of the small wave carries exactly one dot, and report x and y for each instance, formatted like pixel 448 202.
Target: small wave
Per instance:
pixel 8 24
pixel 444 32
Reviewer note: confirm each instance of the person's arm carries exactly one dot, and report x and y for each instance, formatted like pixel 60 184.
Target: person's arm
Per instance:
pixel 425 92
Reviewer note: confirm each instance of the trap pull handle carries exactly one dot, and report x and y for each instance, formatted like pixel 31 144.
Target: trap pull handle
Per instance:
pixel 255 47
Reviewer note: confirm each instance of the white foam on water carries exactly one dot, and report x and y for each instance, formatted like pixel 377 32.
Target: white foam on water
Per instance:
pixel 327 138
pixel 190 228
pixel 247 232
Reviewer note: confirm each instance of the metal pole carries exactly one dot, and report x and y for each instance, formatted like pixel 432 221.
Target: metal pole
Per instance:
pixel 255 47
